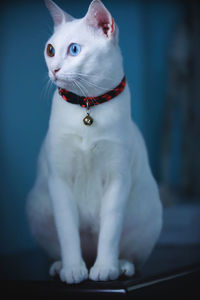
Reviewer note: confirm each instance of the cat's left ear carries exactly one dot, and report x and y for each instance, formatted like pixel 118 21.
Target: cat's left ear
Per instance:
pixel 58 15
pixel 99 18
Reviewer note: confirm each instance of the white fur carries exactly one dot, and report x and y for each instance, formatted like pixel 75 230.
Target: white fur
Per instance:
pixel 94 199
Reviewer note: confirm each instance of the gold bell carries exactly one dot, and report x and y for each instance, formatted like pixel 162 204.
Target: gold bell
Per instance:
pixel 88 120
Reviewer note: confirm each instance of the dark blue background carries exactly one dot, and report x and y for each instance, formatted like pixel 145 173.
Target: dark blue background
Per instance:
pixel 146 33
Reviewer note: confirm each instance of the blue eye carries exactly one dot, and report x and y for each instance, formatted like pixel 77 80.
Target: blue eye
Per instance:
pixel 74 49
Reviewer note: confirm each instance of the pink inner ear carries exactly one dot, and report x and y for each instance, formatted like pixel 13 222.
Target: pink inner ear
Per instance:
pixel 103 21
pixel 99 17
pixel 108 27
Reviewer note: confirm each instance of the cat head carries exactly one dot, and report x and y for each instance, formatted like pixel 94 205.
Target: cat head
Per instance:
pixel 83 55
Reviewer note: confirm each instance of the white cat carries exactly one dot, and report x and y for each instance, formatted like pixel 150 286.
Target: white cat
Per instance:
pixel 94 199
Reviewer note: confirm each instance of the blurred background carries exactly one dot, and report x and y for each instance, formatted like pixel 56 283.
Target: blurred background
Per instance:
pixel 160 42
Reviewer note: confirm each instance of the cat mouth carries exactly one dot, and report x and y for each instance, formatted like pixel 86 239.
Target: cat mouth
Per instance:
pixel 55 78
pixel 64 83
pixel 61 81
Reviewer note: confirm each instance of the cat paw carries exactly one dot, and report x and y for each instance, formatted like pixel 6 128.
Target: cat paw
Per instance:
pixel 74 274
pixel 70 274
pixel 126 268
pixel 104 272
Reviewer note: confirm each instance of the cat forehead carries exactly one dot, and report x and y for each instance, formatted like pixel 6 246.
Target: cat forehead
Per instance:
pixel 75 30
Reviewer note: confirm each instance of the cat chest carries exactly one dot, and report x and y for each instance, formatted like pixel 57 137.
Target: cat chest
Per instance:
pixel 78 157
pixel 83 166
pixel 88 183
pixel 88 172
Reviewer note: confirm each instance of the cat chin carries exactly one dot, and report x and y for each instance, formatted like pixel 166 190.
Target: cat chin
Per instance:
pixel 63 84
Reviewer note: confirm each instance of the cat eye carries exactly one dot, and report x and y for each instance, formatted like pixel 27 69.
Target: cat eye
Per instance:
pixel 50 50
pixel 74 49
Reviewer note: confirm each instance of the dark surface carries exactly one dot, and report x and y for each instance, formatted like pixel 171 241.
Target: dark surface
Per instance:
pixel 170 271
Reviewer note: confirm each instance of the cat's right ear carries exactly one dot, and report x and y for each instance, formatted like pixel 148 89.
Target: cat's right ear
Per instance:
pixel 58 15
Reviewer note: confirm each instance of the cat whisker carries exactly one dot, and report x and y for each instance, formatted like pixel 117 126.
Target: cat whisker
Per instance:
pixel 80 88
pixel 92 84
pixel 84 90
pixel 46 90
pixel 90 75
pixel 93 100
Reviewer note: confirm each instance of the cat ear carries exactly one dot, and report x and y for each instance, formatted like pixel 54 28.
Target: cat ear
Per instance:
pixel 100 18
pixel 58 15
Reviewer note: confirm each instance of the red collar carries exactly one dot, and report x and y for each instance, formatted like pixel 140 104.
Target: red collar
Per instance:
pixel 82 101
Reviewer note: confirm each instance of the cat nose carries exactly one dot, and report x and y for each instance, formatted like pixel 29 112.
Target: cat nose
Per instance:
pixel 56 70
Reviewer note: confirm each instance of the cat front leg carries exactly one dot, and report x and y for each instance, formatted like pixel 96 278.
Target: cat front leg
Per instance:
pixel 73 268
pixel 107 265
